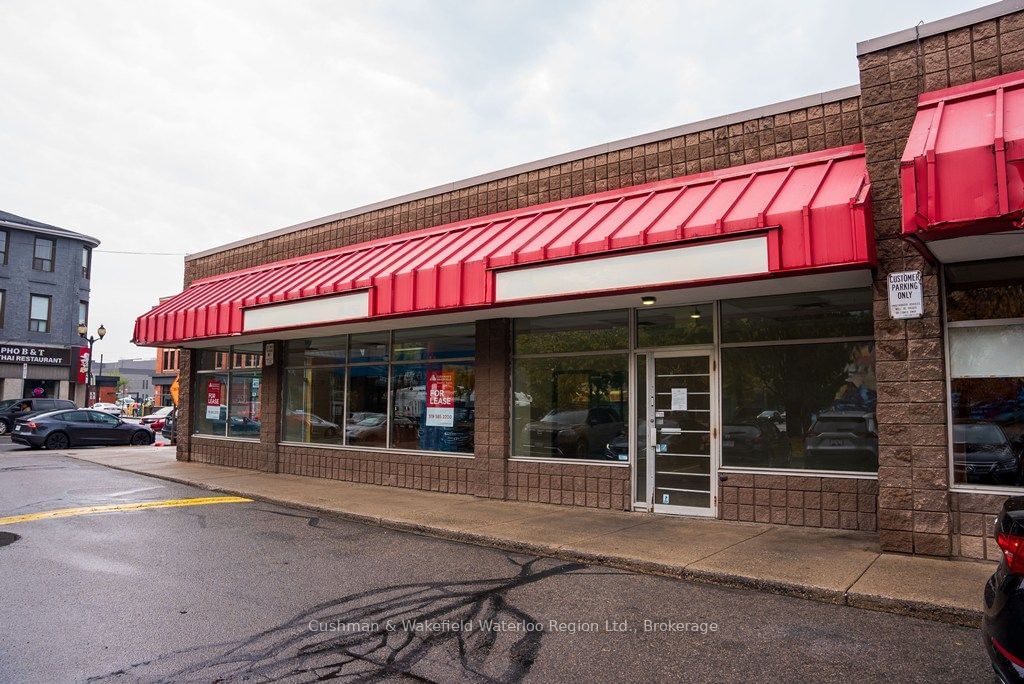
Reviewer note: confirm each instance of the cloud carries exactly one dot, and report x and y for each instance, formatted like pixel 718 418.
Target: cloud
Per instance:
pixel 174 127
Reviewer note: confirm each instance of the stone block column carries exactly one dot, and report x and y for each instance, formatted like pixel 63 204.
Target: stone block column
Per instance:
pixel 491 426
pixel 271 386
pixel 184 425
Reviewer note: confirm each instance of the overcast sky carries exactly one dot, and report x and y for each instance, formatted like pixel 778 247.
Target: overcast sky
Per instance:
pixel 172 127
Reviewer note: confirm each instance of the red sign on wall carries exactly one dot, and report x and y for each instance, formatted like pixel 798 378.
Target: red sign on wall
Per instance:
pixel 440 399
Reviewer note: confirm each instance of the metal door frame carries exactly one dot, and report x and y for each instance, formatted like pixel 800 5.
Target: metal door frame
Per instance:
pixel 708 351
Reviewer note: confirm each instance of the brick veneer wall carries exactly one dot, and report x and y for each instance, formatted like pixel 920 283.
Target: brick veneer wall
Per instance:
pixel 834 502
pixel 917 512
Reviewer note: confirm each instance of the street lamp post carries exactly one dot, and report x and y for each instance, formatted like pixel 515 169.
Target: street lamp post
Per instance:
pixel 83 330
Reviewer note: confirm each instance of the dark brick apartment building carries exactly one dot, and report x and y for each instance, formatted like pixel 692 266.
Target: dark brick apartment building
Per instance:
pixel 807 314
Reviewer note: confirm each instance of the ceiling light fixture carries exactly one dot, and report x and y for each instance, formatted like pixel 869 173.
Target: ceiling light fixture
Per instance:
pixel 648 300
pixel 695 314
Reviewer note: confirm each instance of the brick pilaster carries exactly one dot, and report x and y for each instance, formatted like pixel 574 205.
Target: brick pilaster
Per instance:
pixel 183 424
pixel 270 405
pixel 491 427
pixel 913 475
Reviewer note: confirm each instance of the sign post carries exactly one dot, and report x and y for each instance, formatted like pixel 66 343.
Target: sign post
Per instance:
pixel 906 299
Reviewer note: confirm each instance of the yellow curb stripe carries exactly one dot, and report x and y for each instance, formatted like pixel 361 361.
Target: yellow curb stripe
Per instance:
pixel 139 506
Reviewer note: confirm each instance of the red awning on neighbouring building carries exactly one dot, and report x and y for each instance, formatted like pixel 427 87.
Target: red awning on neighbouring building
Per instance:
pixel 961 169
pixel 801 214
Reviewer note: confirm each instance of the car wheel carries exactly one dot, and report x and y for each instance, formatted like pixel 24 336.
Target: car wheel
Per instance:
pixel 140 437
pixel 4 427
pixel 57 440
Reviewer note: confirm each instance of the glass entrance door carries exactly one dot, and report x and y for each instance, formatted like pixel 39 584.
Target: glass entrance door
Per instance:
pixel 681 433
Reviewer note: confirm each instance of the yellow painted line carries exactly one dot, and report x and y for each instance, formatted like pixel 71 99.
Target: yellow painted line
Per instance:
pixel 139 506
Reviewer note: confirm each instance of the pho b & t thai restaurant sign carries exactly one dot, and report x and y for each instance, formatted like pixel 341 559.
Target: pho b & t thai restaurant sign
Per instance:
pixel 905 297
pixel 42 356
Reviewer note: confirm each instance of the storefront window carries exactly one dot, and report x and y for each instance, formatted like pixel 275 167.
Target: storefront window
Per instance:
pixel 797 392
pixel 675 326
pixel 338 393
pixel 799 316
pixel 367 420
pixel 571 405
pixel 985 309
pixel 800 406
pixel 227 396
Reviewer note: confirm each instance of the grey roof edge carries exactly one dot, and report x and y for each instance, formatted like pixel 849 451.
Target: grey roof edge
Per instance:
pixel 825 97
pixel 931 28
pixel 52 230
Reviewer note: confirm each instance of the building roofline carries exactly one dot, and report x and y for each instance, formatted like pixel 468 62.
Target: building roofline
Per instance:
pixel 931 28
pixel 785 106
pixel 51 230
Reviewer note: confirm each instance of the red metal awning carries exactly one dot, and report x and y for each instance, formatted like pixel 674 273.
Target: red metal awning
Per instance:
pixel 808 213
pixel 961 170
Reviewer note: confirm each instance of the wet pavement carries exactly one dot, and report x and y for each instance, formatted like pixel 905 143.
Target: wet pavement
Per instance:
pixel 258 592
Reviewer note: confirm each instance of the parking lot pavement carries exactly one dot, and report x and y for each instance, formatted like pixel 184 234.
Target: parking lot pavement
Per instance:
pixel 252 590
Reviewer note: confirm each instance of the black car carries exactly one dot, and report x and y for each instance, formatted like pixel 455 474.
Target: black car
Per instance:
pixel 1003 628
pixel 13 409
pixel 80 427
pixel 983 454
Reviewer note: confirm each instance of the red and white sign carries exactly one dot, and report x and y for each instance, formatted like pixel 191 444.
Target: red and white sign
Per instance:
pixel 83 366
pixel 440 399
pixel 213 390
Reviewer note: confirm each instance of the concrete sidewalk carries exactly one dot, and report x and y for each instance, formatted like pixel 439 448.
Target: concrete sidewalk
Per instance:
pixel 834 566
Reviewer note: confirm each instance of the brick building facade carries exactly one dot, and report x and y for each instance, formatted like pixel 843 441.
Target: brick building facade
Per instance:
pixel 910 501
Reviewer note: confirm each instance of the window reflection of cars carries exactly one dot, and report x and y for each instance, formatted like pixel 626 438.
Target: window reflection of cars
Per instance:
pixel 312 424
pixel 370 429
pixel 847 438
pixel 574 433
pixel 754 444
pixel 982 454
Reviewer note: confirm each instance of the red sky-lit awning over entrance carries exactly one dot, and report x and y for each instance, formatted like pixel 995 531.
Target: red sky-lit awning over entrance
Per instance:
pixel 801 214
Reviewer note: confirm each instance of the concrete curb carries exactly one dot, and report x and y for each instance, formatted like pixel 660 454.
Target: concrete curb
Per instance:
pixel 918 609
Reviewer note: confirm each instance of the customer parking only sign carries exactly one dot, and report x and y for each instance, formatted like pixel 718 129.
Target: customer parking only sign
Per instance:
pixel 440 399
pixel 905 299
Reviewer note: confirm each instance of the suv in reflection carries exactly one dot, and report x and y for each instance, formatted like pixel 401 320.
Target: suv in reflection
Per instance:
pixel 982 454
pixel 755 444
pixel 846 438
pixel 13 409
pixel 573 433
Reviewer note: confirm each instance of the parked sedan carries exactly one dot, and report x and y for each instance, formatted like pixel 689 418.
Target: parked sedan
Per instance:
pixel 983 454
pixel 156 419
pixel 1003 627
pixel 81 427
pixel 112 409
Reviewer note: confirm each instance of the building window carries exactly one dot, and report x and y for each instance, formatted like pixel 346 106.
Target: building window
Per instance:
pixel 985 329
pixel 39 313
pixel 86 262
pixel 3 306
pixel 570 386
pixel 227 400
pixel 83 312
pixel 43 254
pixel 411 390
pixel 3 247
pixel 798 382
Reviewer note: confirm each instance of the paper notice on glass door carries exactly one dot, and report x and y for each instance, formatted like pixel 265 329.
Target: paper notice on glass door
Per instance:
pixel 679 399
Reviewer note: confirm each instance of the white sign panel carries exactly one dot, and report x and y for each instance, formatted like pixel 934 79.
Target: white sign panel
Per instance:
pixel 679 399
pixel 905 296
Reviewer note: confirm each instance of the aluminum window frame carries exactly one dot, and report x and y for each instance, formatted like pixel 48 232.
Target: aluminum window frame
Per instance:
pixel 228 371
pixel 389 363
pixel 44 260
pixel 954 486
pixel 48 322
